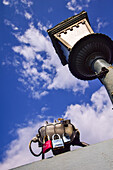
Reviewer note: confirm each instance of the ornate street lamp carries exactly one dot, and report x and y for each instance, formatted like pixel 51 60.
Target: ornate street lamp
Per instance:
pixel 89 55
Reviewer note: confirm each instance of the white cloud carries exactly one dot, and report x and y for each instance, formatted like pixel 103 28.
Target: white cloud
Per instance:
pixel 64 80
pixel 101 24
pixel 5 2
pixel 27 2
pixel 41 69
pixel 95 121
pixel 9 23
pixel 77 5
pixel 50 9
pixel 41 27
pixel 37 94
pixel 72 5
pixel 28 15
pixel 43 109
pixel 24 4
pixel 26 51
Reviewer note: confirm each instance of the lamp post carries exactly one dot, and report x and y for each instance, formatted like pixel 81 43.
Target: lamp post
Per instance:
pixel 89 55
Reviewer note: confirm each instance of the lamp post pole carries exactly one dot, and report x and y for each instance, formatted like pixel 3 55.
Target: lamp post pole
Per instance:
pixel 104 72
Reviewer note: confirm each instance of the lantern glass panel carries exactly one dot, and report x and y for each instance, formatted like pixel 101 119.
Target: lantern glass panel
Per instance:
pixel 71 37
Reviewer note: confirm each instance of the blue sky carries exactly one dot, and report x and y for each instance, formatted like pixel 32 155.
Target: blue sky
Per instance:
pixel 35 87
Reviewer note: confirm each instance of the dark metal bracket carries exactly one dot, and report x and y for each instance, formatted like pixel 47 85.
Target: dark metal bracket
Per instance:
pixel 102 73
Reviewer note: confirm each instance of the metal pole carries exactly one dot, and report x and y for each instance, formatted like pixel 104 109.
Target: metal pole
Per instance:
pixel 104 72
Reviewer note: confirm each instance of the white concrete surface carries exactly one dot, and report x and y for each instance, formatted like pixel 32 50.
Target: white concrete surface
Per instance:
pixel 94 157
